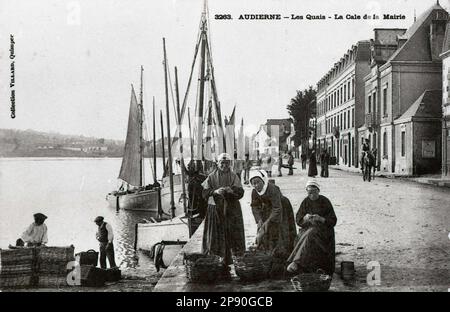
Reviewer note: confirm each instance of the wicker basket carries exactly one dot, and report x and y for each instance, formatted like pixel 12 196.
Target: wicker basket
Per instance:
pixel 55 254
pixel 253 265
pixel 202 268
pixel 319 281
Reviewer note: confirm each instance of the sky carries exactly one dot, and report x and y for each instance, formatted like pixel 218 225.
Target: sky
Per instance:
pixel 75 61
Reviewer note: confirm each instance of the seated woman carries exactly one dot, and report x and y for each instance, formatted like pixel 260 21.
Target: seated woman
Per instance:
pixel 275 218
pixel 315 246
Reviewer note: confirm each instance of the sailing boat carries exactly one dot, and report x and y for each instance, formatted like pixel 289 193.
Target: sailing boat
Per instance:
pixel 149 235
pixel 133 194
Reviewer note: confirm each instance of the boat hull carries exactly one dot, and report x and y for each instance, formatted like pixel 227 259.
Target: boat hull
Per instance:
pixel 141 201
pixel 177 195
pixel 150 234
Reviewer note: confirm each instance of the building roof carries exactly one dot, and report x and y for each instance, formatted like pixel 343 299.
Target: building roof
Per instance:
pixel 428 105
pixel 409 34
pixel 278 121
pixel 446 44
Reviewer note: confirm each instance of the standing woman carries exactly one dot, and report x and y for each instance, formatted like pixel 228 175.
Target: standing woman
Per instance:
pixel 224 226
pixel 275 218
pixel 315 246
pixel 312 169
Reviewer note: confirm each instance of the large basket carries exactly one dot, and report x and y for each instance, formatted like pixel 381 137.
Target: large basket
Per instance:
pixel 319 281
pixel 202 268
pixel 17 280
pixel 55 254
pixel 252 265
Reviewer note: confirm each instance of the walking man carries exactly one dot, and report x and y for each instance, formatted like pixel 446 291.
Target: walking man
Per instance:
pixel 303 157
pixel 105 237
pixel 290 163
pixel 324 161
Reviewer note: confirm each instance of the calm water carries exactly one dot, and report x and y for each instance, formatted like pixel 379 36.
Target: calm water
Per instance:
pixel 71 192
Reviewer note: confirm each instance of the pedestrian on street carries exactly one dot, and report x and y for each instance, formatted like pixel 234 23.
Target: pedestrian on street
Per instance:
pixel 274 216
pixel 375 167
pixel 315 245
pixel 223 233
pixel 36 233
pixel 247 166
pixel 238 166
pixel 280 164
pixel 365 148
pixel 324 162
pixel 290 163
pixel 303 158
pixel 312 169
pixel 105 237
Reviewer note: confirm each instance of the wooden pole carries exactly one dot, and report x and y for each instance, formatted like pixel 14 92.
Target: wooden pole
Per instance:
pixel 162 143
pixel 141 139
pixel 154 144
pixel 180 138
pixel 169 147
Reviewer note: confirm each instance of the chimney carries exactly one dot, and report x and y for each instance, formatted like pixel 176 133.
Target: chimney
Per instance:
pixel 437 33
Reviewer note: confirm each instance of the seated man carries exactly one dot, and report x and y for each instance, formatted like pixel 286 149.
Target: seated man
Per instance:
pixel 36 233
pixel 315 246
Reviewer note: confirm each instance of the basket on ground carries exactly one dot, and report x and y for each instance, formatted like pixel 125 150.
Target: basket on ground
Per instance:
pixel 203 268
pixel 252 265
pixel 319 281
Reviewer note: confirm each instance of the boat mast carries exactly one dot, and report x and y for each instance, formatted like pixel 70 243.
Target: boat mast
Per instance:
pixel 180 138
pixel 172 201
pixel 141 140
pixel 202 78
pixel 162 143
pixel 190 136
pixel 154 143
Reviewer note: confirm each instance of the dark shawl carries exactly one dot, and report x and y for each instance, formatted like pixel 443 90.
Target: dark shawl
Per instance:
pixel 315 247
pixel 275 218
pixel 312 169
pixel 224 225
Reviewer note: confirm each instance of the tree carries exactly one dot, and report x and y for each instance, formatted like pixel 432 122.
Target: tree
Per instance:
pixel 302 108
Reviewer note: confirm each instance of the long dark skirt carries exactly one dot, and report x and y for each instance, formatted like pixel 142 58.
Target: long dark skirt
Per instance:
pixel 222 235
pixel 314 250
pixel 214 233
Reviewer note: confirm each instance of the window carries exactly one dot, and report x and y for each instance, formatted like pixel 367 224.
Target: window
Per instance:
pixel 403 143
pixel 345 121
pixel 385 144
pixel 353 117
pixel 353 87
pixel 338 97
pixel 374 96
pixel 341 96
pixel 345 93
pixel 370 104
pixel 340 121
pixel 348 119
pixel 348 88
pixel 385 101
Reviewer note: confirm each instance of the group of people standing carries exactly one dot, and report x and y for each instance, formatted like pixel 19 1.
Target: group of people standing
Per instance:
pixel 311 249
pixel 36 235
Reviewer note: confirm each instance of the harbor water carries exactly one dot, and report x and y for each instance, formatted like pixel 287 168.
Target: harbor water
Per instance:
pixel 71 192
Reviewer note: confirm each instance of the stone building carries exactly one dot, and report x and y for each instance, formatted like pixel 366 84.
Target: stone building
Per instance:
pixel 400 95
pixel 446 104
pixel 340 105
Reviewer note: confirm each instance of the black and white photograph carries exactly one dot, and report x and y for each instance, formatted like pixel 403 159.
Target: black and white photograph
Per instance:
pixel 224 146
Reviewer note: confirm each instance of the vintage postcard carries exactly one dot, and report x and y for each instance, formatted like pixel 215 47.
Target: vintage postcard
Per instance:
pixel 204 146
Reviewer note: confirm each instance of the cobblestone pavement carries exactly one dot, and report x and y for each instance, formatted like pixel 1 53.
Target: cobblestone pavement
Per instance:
pixel 402 225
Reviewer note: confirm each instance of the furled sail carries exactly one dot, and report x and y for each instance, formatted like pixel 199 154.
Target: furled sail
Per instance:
pixel 131 162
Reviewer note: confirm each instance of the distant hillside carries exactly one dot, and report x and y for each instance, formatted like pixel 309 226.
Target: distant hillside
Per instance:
pixel 30 143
